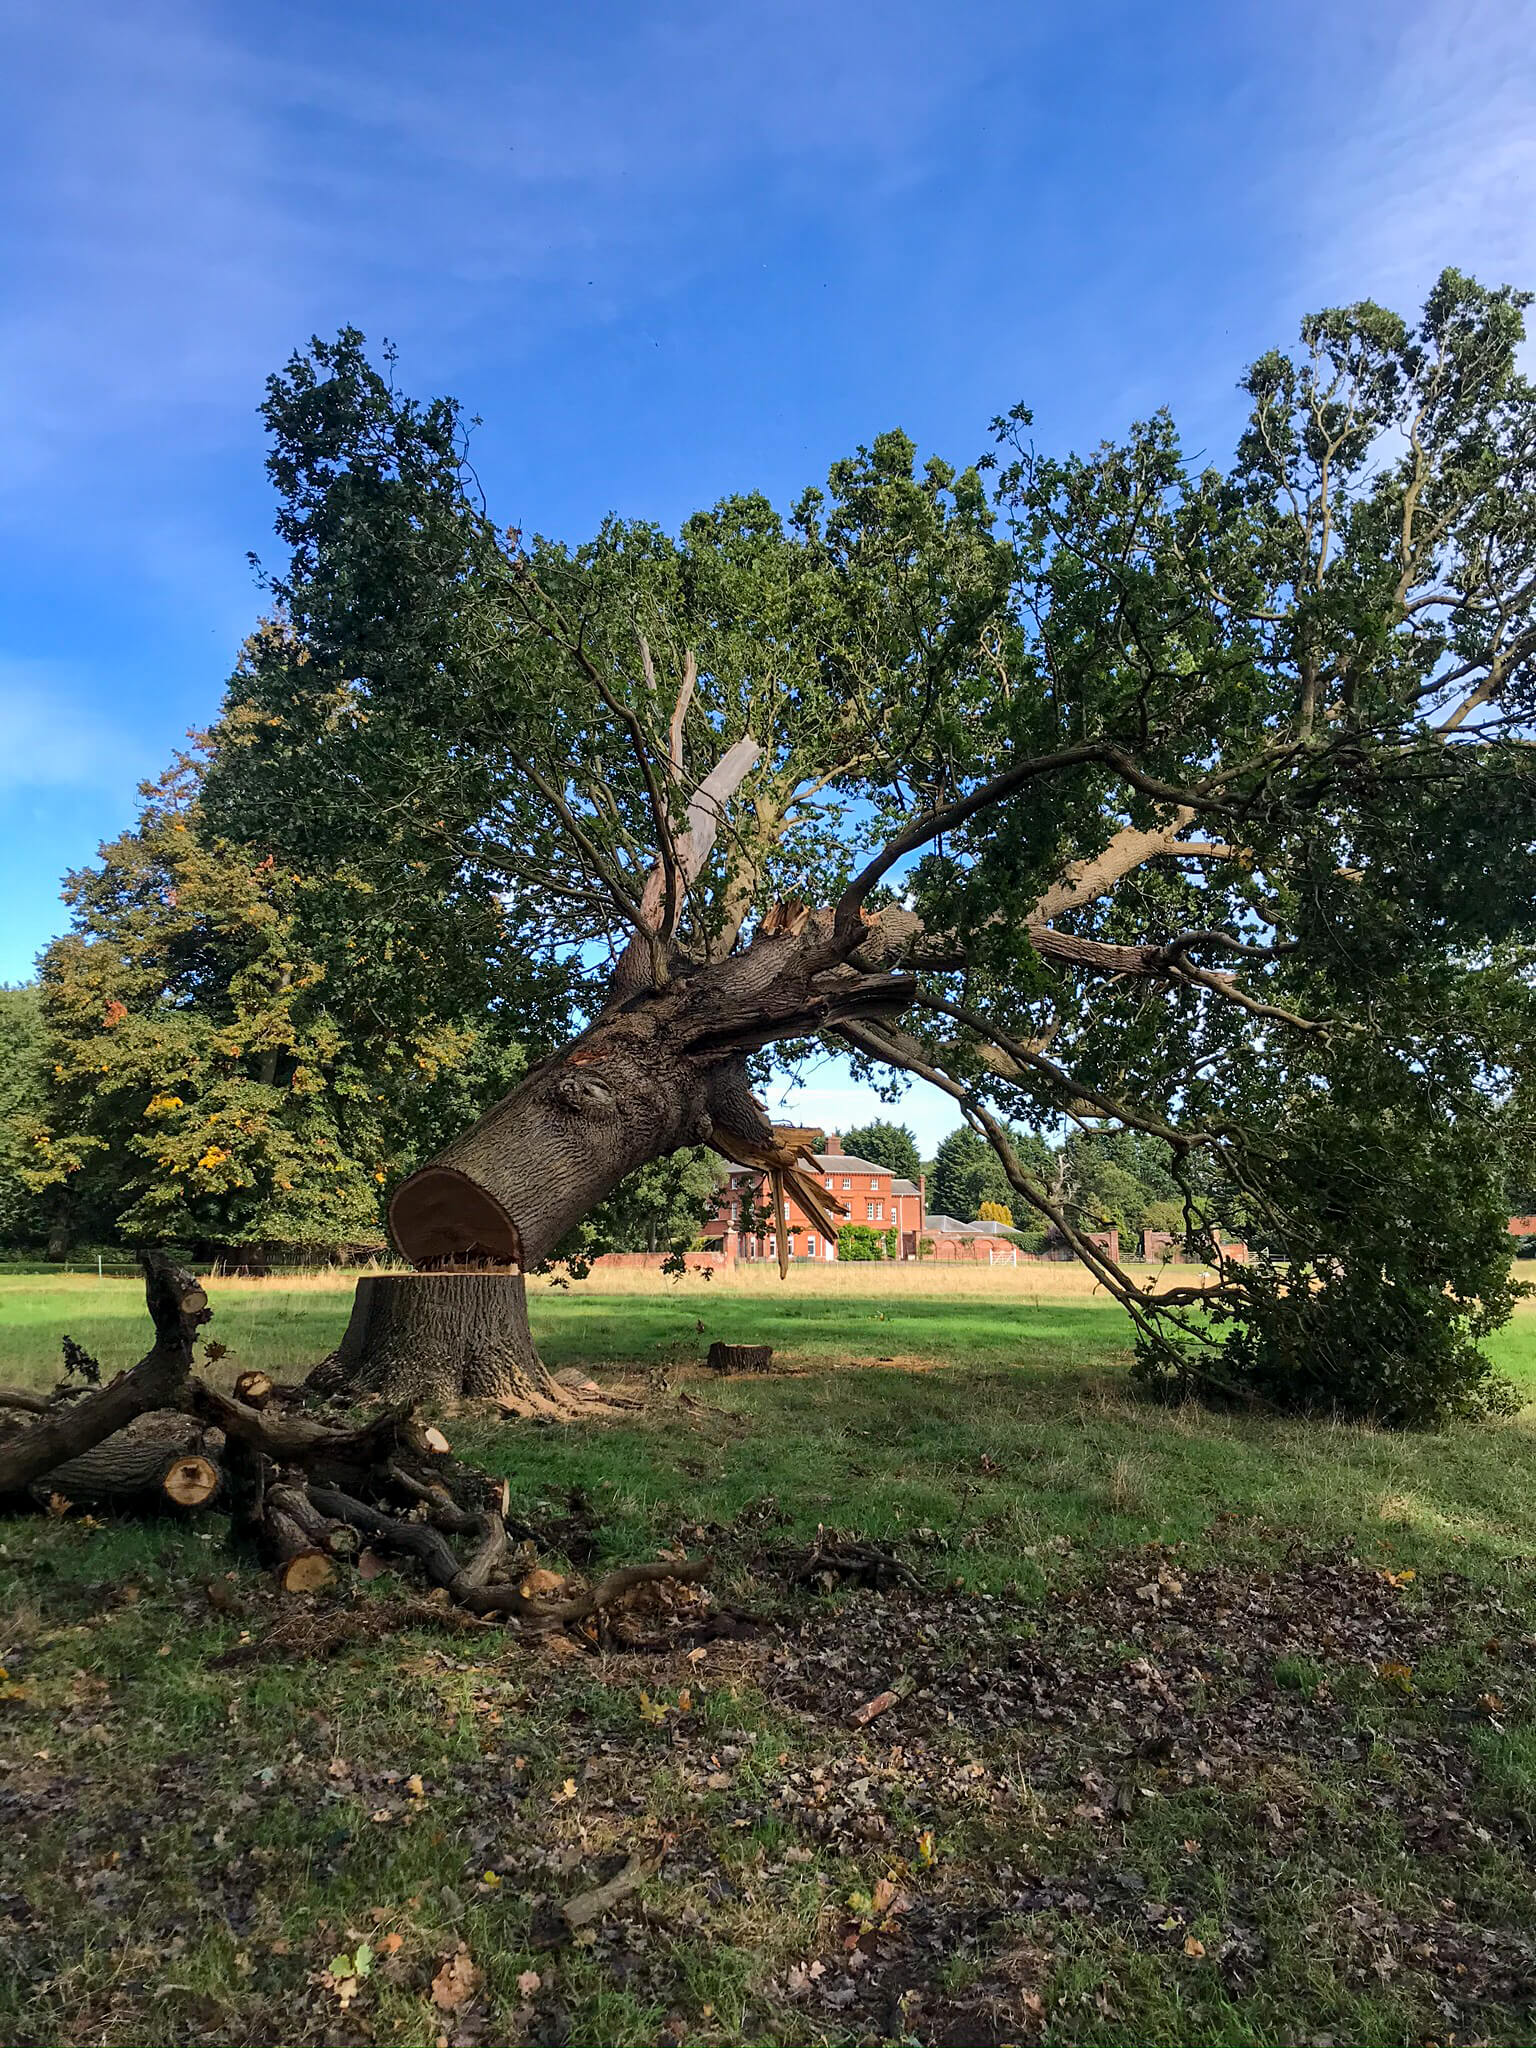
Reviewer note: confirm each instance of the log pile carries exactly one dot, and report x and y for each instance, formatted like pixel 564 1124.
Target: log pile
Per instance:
pixel 312 1496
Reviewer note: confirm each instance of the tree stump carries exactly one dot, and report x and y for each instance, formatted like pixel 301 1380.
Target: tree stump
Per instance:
pixel 442 1337
pixel 740 1357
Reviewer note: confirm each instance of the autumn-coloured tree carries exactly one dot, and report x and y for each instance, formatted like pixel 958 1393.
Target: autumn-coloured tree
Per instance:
pixel 206 1087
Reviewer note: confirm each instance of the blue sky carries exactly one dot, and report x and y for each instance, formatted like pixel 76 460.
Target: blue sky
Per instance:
pixel 665 252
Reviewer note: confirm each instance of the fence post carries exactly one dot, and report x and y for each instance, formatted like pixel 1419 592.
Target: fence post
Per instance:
pixel 98 1266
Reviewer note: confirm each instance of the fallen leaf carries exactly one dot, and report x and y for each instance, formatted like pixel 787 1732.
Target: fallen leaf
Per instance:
pixel 541 1581
pixel 529 1982
pixel 1193 1947
pixel 415 1787
pixel 456 1982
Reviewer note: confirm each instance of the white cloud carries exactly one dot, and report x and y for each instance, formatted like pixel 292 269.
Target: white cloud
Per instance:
pixel 1433 161
pixel 194 201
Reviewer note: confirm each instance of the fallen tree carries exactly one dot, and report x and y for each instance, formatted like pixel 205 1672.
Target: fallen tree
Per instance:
pixel 308 1496
pixel 1112 791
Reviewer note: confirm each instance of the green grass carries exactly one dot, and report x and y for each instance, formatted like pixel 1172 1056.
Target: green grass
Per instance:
pixel 1274 1680
pixel 276 1328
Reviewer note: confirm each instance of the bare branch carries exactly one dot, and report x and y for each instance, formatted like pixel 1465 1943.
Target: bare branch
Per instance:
pixel 848 924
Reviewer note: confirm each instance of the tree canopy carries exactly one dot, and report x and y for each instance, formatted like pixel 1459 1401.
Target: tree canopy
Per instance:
pixel 23 1092
pixel 1184 802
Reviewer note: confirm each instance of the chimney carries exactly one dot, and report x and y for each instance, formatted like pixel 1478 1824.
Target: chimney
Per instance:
pixel 833 1142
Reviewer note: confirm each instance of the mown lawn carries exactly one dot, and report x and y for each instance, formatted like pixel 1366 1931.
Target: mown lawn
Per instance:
pixel 1215 1728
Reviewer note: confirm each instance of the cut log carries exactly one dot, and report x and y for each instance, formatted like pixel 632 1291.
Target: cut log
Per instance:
pixel 255 1389
pixel 128 1464
pixel 178 1307
pixel 292 1523
pixel 307 1571
pixel 740 1357
pixel 191 1481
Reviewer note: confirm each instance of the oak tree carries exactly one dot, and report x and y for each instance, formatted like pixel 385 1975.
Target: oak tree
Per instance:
pixel 1187 801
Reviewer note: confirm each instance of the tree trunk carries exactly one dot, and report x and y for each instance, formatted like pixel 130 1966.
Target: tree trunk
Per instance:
pixel 443 1337
pixel 661 1068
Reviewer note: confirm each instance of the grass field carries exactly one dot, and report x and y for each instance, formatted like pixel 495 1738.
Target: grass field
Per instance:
pixel 1217 1728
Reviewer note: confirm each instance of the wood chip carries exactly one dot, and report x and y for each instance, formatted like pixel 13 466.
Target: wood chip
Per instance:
pixel 880 1704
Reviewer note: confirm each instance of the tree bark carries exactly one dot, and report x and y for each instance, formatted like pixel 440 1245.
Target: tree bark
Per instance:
pixel 158 1464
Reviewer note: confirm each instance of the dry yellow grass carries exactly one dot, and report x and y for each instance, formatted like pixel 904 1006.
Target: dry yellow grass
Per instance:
pixel 1045 1282
pixel 916 1279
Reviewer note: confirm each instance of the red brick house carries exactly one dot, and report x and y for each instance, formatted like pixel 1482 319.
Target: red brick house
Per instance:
pixel 865 1192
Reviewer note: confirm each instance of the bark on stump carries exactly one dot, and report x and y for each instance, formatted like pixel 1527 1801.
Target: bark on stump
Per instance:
pixel 739 1357
pixel 443 1337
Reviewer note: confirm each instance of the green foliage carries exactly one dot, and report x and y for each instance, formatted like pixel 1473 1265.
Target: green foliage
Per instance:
pixel 1401 1175
pixel 861 1242
pixel 23 1092
pixel 1111 1179
pixel 207 1083
pixel 657 1208
pixel 967 1173
pixel 887 1144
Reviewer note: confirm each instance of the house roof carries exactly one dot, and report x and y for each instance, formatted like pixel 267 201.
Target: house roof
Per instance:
pixel 905 1187
pixel 951 1226
pixel 843 1162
